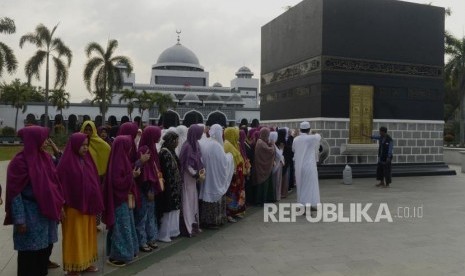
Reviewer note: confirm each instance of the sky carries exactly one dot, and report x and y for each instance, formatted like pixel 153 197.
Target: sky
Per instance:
pixel 224 34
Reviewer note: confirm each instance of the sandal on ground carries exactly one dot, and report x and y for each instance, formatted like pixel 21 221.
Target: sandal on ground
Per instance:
pixel 145 248
pixel 116 263
pixel 91 268
pixel 152 245
pixel 167 240
pixel 231 220
pixel 52 265
pixel 212 226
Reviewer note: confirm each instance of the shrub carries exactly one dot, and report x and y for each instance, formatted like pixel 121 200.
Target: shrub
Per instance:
pixel 8 131
pixel 449 138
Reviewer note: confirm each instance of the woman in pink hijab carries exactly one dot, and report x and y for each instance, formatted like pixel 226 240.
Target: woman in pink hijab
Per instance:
pixel 119 193
pixel 33 202
pixel 149 183
pixel 83 201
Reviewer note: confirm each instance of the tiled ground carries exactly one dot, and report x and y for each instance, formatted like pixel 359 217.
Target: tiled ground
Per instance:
pixel 431 245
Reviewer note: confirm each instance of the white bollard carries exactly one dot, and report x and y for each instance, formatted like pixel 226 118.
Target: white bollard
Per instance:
pixel 347 175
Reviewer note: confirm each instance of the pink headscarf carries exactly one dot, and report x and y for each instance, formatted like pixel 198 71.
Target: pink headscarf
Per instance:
pixel 130 129
pixel 119 180
pixel 35 166
pixel 79 178
pixel 148 140
pixel 264 156
pixel 190 152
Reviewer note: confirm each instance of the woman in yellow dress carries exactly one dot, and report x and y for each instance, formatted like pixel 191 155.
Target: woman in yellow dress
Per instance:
pixel 83 201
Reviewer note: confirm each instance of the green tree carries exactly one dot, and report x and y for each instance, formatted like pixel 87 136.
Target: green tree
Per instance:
pixel 60 99
pixel 38 95
pixel 103 72
pixel 16 94
pixel 7 58
pixel 145 101
pixel 102 105
pixel 49 48
pixel 163 102
pixel 128 95
pixel 454 71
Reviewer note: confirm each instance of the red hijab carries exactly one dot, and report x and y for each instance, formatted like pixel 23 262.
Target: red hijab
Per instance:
pixel 190 152
pixel 130 129
pixel 148 140
pixel 264 156
pixel 79 177
pixel 119 180
pixel 35 166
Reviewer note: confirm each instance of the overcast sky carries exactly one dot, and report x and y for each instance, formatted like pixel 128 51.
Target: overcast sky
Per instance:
pixel 224 34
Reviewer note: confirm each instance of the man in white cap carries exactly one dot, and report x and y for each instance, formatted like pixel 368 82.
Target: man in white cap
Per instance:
pixel 305 147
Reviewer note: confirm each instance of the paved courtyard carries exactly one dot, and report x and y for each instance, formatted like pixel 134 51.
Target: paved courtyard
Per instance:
pixel 431 245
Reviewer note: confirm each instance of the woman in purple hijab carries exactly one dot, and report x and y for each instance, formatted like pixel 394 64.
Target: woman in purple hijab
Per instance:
pixel 130 129
pixel 119 194
pixel 34 202
pixel 83 201
pixel 149 183
pixel 191 170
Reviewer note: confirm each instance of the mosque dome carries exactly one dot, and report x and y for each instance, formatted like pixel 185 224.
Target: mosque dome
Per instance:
pixel 217 84
pixel 244 69
pixel 191 98
pixel 178 57
pixel 244 72
pixel 213 99
pixel 235 98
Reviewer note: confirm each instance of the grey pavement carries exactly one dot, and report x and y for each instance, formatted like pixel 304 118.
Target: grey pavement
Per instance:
pixel 431 245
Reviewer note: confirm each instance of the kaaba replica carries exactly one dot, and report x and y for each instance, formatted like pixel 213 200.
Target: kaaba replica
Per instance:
pixel 350 67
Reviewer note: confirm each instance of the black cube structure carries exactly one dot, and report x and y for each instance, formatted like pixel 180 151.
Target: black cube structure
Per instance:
pixel 318 52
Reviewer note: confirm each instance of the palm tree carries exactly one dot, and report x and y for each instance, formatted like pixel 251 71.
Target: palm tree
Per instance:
pixel 163 101
pixel 128 96
pixel 49 47
pixel 146 101
pixel 102 105
pixel 103 71
pixel 17 94
pixel 7 58
pixel 60 99
pixel 455 72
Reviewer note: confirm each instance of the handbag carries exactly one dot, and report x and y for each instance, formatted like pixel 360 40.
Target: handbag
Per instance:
pixel 201 178
pixel 161 181
pixel 150 196
pixel 131 201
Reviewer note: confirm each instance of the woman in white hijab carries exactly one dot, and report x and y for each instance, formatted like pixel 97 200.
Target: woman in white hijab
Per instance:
pixel 277 166
pixel 219 168
pixel 181 130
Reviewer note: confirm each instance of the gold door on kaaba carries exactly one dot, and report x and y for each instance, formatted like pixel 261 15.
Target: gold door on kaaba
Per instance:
pixel 361 114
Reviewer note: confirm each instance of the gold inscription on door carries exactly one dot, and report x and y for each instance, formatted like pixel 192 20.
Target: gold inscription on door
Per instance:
pixel 361 114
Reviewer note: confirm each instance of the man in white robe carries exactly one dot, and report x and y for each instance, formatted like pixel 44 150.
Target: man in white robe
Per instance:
pixel 305 148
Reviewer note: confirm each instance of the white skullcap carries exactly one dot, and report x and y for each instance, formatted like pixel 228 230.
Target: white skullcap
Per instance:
pixel 305 125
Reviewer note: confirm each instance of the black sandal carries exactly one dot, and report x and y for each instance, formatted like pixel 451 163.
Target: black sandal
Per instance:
pixel 153 245
pixel 145 248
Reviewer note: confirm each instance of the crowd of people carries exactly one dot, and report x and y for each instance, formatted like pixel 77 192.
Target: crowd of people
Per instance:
pixel 146 186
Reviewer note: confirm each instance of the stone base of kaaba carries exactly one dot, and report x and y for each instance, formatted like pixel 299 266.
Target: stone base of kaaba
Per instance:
pixel 334 171
pixel 418 146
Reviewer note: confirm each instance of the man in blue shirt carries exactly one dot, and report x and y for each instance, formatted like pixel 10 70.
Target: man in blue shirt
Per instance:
pixel 383 171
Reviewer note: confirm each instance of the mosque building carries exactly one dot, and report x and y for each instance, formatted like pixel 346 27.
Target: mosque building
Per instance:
pixel 178 73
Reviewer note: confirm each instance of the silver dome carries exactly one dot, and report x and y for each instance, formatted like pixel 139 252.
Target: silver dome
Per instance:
pixel 178 54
